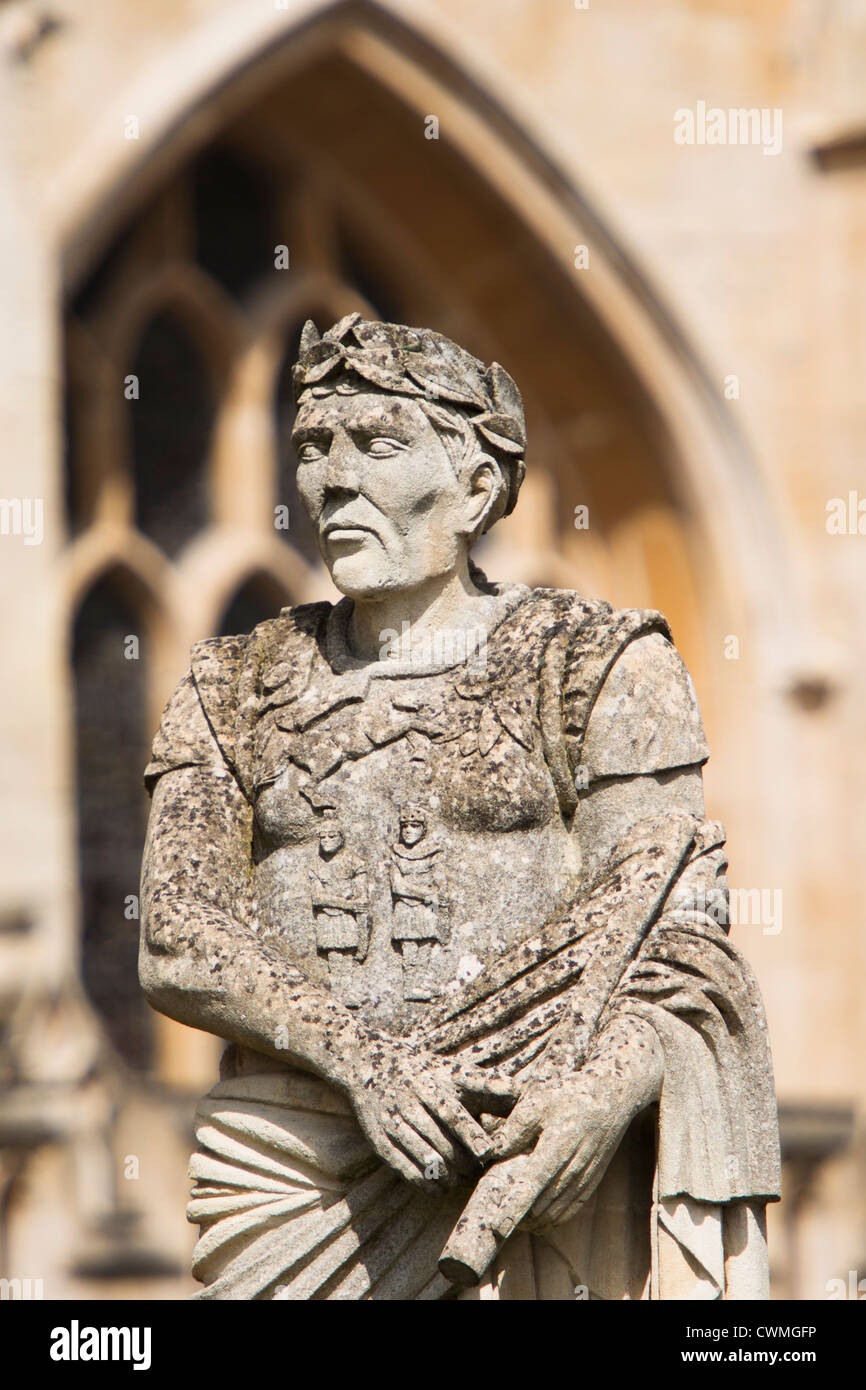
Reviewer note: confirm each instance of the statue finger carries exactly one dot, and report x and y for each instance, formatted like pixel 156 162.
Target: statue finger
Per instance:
pixel 522 1179
pixel 416 1148
pixel 497 1096
pixel 519 1130
pixel 447 1110
pixel 571 1189
pixel 566 1207
pixel 391 1154
pixel 559 1190
pixel 452 1159
pixel 484 1084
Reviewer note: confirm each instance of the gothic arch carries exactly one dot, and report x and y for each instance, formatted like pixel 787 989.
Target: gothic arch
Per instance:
pixel 136 565
pixel 238 562
pixel 255 597
pixel 413 59
pixel 188 294
pixel 110 651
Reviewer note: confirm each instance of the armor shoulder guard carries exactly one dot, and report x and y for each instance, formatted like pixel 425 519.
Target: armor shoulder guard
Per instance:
pixel 216 665
pixel 232 674
pixel 583 647
pixel 645 717
pixel 184 738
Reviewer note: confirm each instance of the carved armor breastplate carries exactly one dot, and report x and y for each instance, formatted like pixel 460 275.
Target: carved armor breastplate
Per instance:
pixel 491 854
pixel 484 750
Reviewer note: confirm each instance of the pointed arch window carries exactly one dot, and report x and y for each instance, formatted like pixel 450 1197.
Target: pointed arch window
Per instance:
pixel 110 660
pixel 171 427
pixel 362 268
pixel 234 220
pixel 260 597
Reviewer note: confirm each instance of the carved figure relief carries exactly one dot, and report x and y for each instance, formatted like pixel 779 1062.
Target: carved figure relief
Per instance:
pixel 338 889
pixel 420 908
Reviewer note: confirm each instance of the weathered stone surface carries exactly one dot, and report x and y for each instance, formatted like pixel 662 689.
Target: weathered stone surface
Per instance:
pixel 435 863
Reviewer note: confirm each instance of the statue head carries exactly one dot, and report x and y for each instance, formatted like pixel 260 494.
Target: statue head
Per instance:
pixel 413 824
pixel 331 837
pixel 409 448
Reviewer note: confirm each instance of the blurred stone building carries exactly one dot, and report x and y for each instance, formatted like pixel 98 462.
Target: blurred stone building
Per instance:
pixel 183 183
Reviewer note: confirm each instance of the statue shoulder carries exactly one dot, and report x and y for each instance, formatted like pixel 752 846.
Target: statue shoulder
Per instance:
pixel 645 717
pixel 277 641
pixel 585 629
pixel 223 666
pixel 184 737
pixel 574 641
pixel 230 673
pixel 223 659
pixel 580 640
pixel 555 611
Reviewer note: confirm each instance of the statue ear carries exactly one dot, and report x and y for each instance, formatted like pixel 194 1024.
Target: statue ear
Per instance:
pixel 483 460
pixel 494 511
pixel 310 335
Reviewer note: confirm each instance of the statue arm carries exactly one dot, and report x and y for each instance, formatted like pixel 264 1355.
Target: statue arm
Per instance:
pixel 624 1071
pixel 340 899
pixel 644 747
pixel 203 959
pixel 573 1117
pixel 670 1034
pixel 359 892
pixel 574 1110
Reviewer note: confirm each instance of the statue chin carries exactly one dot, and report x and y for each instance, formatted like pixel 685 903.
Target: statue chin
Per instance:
pixel 355 577
pixel 353 569
pixel 365 573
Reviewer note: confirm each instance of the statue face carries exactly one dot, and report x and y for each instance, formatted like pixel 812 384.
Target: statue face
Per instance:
pixel 381 492
pixel 330 838
pixel 411 831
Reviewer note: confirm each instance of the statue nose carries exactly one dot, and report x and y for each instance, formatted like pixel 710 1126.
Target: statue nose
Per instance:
pixel 343 474
pixel 343 480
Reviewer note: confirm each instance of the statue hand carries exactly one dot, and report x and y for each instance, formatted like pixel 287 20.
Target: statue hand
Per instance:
pixel 573 1124
pixel 572 1135
pixel 413 1107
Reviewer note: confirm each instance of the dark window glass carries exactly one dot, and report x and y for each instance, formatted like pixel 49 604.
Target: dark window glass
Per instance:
pixel 111 747
pixel 234 221
pixel 171 427
pixel 358 270
pixel 259 598
pixel 76 518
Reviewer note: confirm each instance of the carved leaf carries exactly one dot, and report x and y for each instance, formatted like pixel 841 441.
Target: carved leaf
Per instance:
pixel 310 335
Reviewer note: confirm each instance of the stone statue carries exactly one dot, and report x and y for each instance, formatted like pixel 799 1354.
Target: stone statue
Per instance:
pixel 455 907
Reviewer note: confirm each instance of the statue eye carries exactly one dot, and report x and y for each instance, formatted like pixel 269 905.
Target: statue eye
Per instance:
pixel 309 452
pixel 382 446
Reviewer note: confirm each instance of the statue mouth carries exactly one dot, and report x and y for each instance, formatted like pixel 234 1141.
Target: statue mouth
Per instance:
pixel 347 531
